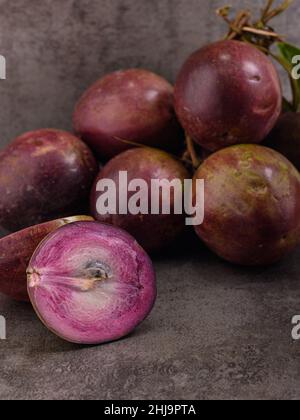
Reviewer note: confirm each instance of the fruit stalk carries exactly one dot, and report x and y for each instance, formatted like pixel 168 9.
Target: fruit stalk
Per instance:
pixel 257 32
pixel 191 151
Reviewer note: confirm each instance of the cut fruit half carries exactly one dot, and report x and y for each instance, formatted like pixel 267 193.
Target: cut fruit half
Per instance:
pixel 91 283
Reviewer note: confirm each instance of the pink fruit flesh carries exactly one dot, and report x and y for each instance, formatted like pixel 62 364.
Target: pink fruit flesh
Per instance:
pixel 134 105
pixel 16 251
pixel 91 283
pixel 228 93
pixel 44 175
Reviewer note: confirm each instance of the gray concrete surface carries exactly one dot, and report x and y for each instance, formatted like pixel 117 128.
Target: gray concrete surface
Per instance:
pixel 217 331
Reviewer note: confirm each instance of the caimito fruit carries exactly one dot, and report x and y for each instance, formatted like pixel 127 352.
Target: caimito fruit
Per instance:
pixel 44 175
pixel 128 106
pixel 252 205
pixel 91 283
pixel 16 251
pixel 152 231
pixel 228 93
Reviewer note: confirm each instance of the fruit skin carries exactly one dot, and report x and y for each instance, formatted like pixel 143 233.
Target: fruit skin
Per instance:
pixel 252 205
pixel 91 283
pixel 44 174
pixel 16 251
pixel 285 137
pixel 228 93
pixel 153 232
pixel 134 105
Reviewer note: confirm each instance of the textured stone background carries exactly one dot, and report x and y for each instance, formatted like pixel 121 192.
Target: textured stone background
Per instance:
pixel 217 331
pixel 55 48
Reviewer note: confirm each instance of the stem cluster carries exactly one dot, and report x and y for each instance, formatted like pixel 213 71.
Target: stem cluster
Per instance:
pixel 245 28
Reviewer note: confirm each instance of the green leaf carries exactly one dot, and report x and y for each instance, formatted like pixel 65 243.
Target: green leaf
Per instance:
pixel 287 52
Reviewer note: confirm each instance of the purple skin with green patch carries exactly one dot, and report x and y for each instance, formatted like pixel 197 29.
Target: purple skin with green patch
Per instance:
pixel 91 283
pixel 133 105
pixel 44 175
pixel 153 231
pixel 252 205
pixel 228 93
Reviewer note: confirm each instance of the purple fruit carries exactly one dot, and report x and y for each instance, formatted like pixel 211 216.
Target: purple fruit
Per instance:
pixel 285 137
pixel 16 251
pixel 228 93
pixel 133 105
pixel 152 231
pixel 91 283
pixel 252 205
pixel 44 175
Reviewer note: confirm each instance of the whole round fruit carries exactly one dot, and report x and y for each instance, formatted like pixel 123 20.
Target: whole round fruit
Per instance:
pixel 16 251
pixel 91 283
pixel 44 175
pixel 133 105
pixel 228 93
pixel 152 231
pixel 252 205
pixel 285 137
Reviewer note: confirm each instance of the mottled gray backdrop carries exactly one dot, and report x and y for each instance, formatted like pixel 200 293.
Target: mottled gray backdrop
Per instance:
pixel 56 48
pixel 217 331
